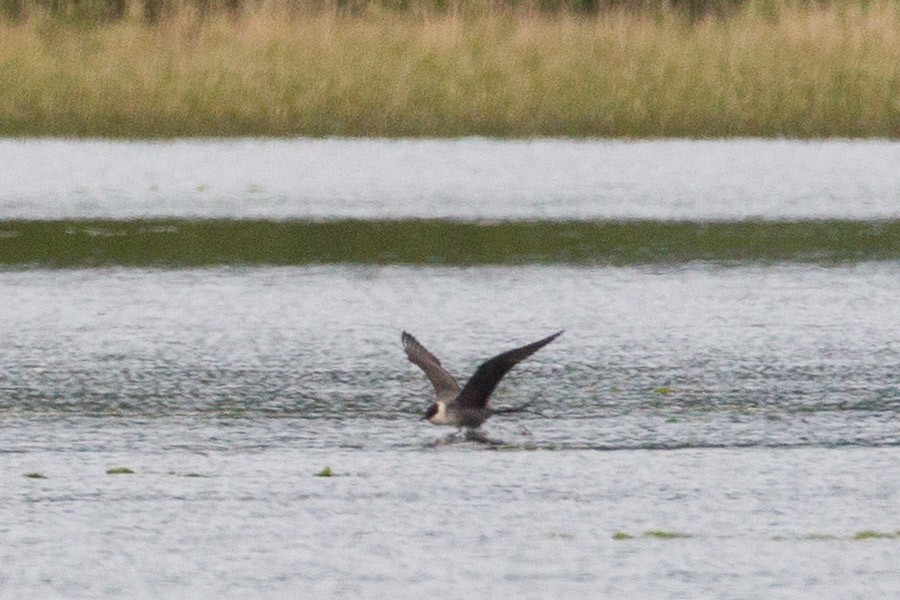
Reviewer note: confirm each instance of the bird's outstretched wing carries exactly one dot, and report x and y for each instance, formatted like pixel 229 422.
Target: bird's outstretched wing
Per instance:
pixel 479 388
pixel 445 386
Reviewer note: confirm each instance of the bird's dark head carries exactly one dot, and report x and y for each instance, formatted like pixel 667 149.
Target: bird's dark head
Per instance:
pixel 432 410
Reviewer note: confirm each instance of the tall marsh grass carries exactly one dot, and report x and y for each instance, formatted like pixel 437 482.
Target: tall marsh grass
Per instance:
pixel 802 69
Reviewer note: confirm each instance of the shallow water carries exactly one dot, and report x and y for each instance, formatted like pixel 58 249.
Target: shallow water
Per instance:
pixel 751 408
pixel 721 418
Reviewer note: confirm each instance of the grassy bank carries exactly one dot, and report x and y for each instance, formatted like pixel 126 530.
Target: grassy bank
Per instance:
pixel 803 70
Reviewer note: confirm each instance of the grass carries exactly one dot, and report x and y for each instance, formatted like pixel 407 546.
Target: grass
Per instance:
pixel 801 70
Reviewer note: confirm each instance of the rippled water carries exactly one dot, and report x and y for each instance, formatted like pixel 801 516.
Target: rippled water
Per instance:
pixel 721 416
pixel 753 409
pixel 235 512
pixel 670 356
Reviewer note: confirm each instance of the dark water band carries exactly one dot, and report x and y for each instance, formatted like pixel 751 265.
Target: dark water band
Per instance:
pixel 188 243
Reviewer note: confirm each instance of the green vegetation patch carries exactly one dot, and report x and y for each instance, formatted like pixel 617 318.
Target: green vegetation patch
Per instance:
pixel 825 537
pixel 326 472
pixel 867 534
pixel 189 243
pixel 657 534
pixel 661 534
pixel 35 475
pixel 119 471
pixel 876 535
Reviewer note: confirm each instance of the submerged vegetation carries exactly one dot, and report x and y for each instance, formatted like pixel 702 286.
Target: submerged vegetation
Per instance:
pixel 876 535
pixel 119 471
pixel 612 68
pixel 657 534
pixel 184 243
pixel 661 534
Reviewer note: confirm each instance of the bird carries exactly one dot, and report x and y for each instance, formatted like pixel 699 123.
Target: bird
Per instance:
pixel 467 406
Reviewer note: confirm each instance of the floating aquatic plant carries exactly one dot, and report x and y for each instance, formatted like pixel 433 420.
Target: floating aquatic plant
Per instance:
pixel 326 472
pixel 35 475
pixel 867 534
pixel 658 534
pixel 820 536
pixel 876 535
pixel 119 471
pixel 661 534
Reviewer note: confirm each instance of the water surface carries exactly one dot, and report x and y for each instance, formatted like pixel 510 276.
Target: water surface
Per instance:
pixel 698 356
pixel 749 411
pixel 721 416
pixel 468 179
